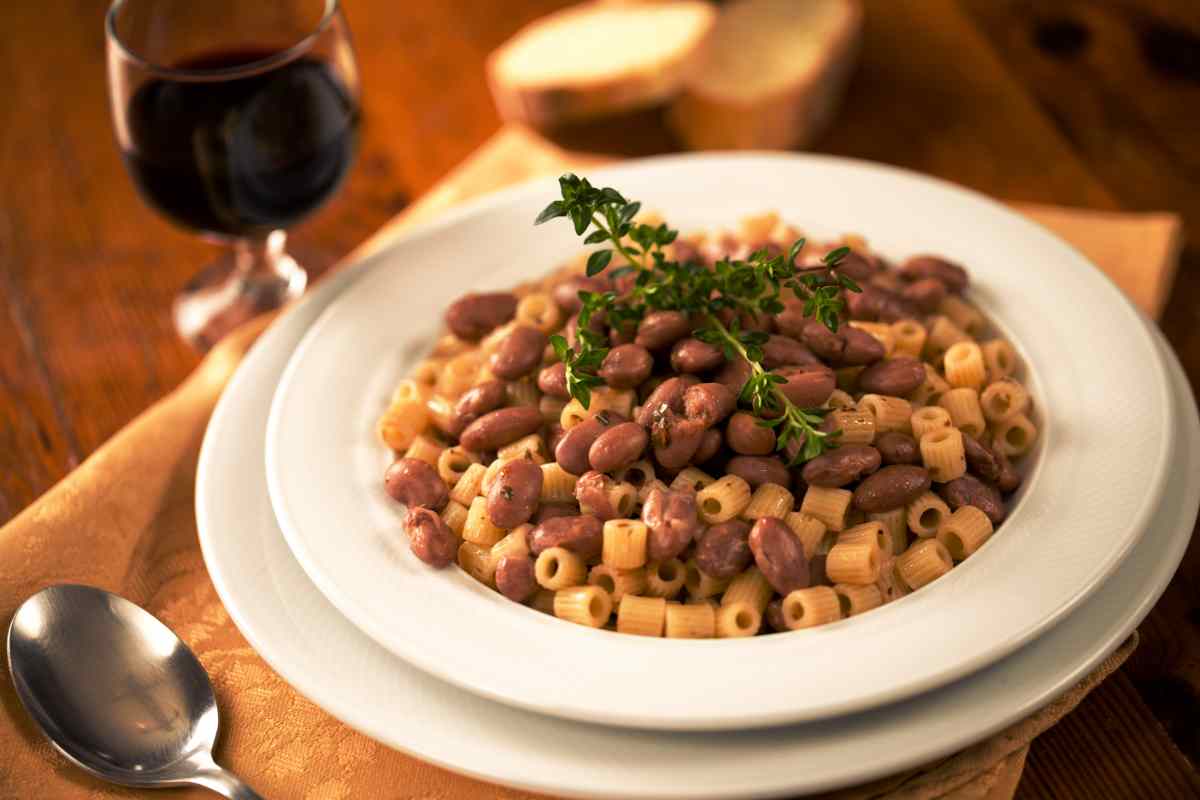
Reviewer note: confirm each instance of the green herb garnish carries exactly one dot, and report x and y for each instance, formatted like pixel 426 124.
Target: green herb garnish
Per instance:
pixel 732 289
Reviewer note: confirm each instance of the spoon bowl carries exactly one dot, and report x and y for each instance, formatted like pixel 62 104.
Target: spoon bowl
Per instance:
pixel 116 691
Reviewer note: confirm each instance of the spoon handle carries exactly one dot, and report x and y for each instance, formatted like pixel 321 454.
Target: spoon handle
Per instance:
pixel 224 783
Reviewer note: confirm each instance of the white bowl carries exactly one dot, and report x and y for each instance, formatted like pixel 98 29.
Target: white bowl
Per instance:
pixel 1095 376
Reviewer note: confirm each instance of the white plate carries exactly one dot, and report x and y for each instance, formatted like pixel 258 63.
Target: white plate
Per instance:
pixel 1106 442
pixel 330 661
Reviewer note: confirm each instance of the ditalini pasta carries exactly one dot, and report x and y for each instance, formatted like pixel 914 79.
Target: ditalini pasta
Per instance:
pixel 583 605
pixel 963 406
pixel 807 608
pixel 642 616
pixel 944 455
pixel 723 499
pixel 691 621
pixel 909 337
pixel 964 532
pixel 928 419
pixel 1003 399
pixel 624 544
pixel 925 514
pixel 653 491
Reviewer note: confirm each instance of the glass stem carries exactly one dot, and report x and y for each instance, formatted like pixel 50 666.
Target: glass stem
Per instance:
pixel 261 257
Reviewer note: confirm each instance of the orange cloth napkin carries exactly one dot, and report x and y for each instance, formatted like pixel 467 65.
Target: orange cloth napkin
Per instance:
pixel 124 521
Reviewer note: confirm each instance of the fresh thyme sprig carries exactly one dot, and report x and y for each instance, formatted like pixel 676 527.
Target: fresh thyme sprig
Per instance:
pixel 733 289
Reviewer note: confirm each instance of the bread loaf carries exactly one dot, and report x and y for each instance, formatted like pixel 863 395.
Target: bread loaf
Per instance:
pixel 771 76
pixel 598 58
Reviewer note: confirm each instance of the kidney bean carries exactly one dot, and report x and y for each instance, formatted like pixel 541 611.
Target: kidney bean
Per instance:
pixel 596 324
pixel 897 448
pixel 624 334
pixel 514 494
pixel 692 355
pixel 817 575
pixel 415 483
pixel 864 305
pixel 757 470
pixel 892 376
pixel 474 403
pixel 825 343
pixel 710 445
pixel 582 535
pixel 500 427
pixel 519 353
pixel 551 510
pixel 857 266
pixel 480 399
pixel 733 375
pixel 671 521
pixel 861 348
pixel 745 320
pixel 515 577
pixel 950 274
pixel 617 447
pixel 575 445
pixel 892 307
pixel 591 490
pixel 891 487
pixel 981 460
pixel 791 321
pixel 807 387
pixel 926 294
pixel 474 316
pixel 842 465
pixel 888 280
pixel 874 303
pixel 626 366
pixel 623 284
pixel 552 380
pixel 784 351
pixel 429 538
pixel 1009 479
pixel 747 437
pixel 774 616
pixel 660 329
pixel 779 555
pixel 970 491
pixel 566 294
pixel 554 434
pixel 723 550
pixel 675 439
pixel 708 402
pixel 668 395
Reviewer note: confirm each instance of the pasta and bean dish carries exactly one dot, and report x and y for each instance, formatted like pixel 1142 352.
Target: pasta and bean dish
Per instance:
pixel 716 435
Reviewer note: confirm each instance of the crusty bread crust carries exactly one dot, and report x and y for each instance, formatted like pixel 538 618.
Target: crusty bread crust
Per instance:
pixel 791 117
pixel 550 102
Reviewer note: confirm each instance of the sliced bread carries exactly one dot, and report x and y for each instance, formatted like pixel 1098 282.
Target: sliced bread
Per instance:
pixel 598 58
pixel 772 75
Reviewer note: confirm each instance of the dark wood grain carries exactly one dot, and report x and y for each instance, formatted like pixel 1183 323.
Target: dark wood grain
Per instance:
pixel 1121 80
pixel 1080 102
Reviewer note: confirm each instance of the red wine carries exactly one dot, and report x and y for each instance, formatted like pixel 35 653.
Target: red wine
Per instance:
pixel 241 156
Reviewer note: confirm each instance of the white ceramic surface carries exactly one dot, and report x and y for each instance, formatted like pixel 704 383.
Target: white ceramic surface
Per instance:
pixel 1084 505
pixel 312 646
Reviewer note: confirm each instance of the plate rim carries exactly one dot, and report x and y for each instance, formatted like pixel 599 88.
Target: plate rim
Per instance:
pixel 332 589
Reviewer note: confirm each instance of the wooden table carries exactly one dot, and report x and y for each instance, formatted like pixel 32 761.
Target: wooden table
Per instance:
pixel 1093 104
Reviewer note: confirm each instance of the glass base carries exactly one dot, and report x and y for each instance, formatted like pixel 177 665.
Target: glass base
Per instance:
pixel 250 280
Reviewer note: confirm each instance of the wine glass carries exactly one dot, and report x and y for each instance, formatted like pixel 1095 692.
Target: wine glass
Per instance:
pixel 235 119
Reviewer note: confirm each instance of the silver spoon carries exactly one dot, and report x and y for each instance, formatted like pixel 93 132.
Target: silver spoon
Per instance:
pixel 116 691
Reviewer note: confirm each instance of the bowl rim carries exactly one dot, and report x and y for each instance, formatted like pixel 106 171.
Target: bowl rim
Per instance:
pixel 506 198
